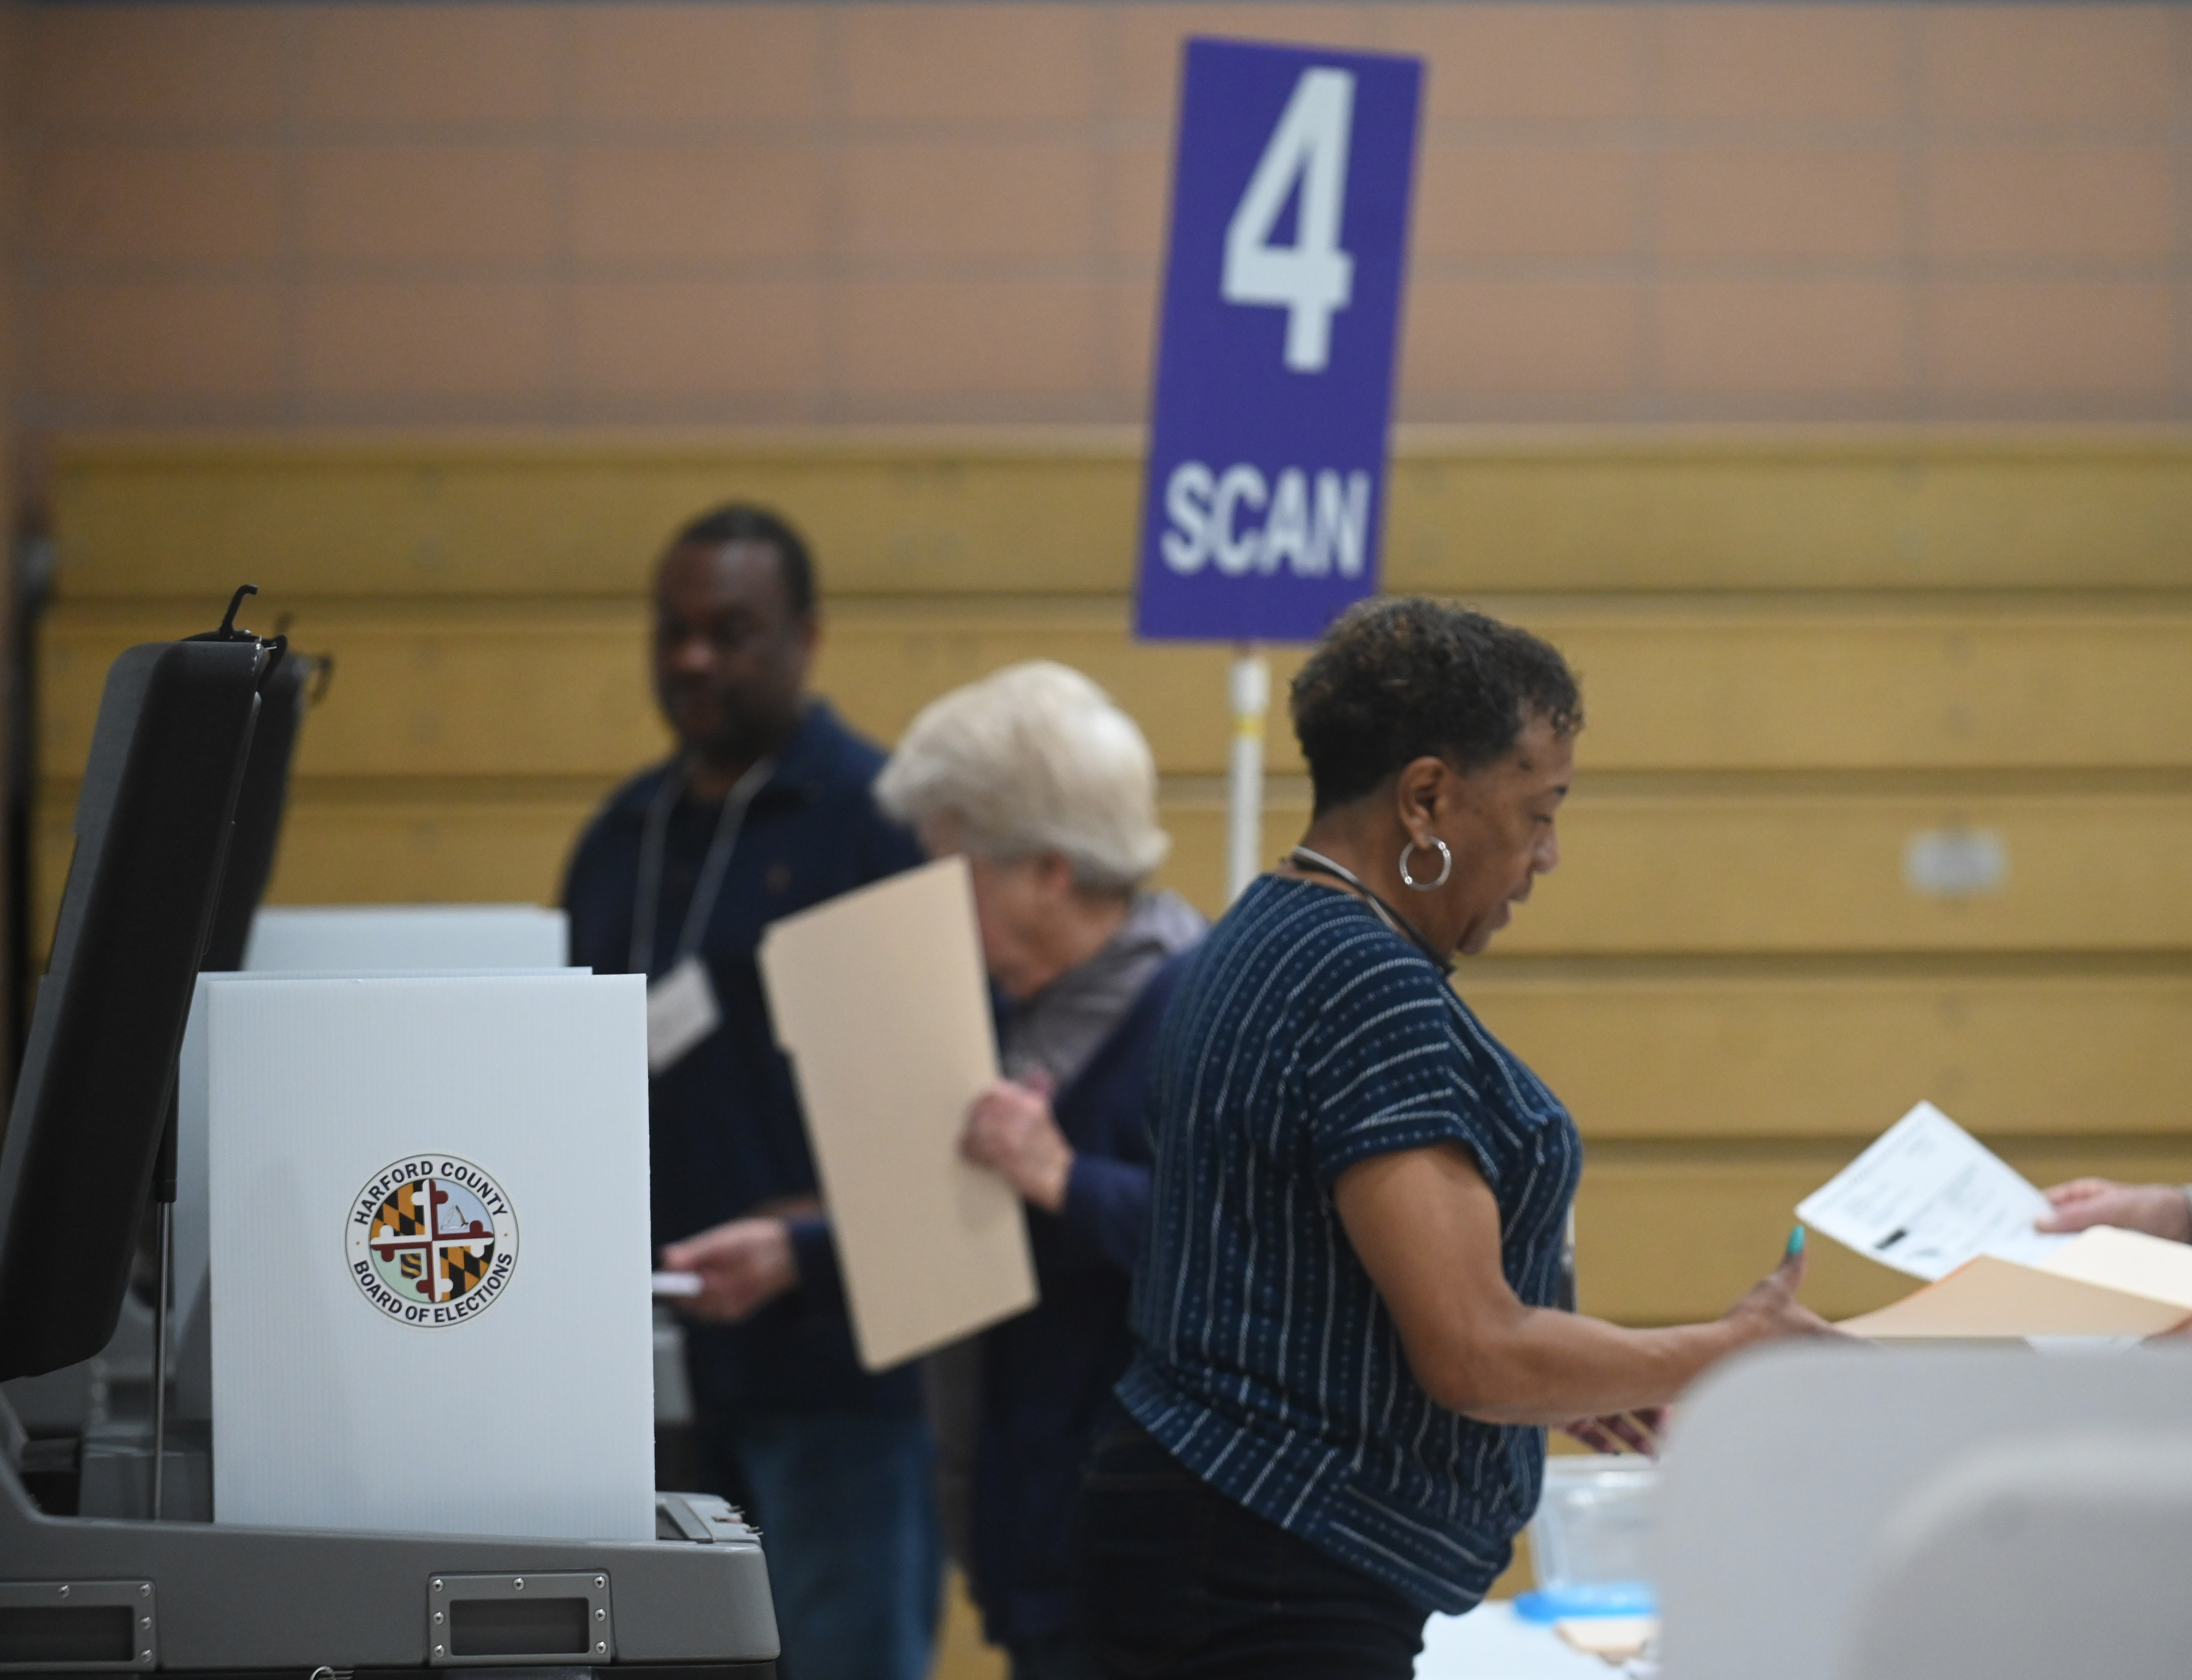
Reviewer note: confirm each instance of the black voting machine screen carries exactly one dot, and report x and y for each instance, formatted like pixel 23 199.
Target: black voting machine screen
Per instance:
pixel 153 829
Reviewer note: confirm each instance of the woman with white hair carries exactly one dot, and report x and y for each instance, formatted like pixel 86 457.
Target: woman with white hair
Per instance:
pixel 1049 791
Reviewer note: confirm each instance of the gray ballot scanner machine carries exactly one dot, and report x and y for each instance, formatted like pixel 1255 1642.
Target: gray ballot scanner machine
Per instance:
pixel 83 1158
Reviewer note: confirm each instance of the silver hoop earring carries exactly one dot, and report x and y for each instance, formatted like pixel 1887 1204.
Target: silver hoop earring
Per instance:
pixel 1446 867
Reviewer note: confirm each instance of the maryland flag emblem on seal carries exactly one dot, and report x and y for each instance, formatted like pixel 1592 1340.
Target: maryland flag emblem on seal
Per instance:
pixel 432 1240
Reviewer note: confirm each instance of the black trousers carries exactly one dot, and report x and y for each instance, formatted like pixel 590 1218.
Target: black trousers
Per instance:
pixel 1178 1581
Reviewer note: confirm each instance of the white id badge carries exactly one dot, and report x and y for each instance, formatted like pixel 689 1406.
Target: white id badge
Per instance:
pixel 681 1011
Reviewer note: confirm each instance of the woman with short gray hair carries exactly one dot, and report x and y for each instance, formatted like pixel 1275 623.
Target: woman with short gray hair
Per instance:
pixel 1033 758
pixel 1049 790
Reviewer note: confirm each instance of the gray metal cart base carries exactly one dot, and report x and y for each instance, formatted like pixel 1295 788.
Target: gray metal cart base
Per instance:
pixel 87 1595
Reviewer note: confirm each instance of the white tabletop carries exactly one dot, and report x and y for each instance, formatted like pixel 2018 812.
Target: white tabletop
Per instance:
pixel 1491 1643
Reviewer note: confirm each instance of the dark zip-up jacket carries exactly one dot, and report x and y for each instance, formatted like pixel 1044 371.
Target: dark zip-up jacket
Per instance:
pixel 726 1134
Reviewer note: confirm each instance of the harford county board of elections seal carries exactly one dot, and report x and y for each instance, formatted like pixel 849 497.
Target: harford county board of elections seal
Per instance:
pixel 433 1241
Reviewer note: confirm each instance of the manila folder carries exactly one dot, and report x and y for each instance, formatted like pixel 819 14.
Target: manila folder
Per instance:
pixel 1990 1298
pixel 2129 1260
pixel 879 998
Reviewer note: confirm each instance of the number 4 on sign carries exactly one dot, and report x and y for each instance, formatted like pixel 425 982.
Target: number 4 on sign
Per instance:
pixel 1313 276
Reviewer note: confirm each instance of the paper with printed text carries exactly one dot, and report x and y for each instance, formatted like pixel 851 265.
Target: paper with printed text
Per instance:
pixel 1927 1196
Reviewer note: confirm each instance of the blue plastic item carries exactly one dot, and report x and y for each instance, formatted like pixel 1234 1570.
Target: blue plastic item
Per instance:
pixel 1599 1598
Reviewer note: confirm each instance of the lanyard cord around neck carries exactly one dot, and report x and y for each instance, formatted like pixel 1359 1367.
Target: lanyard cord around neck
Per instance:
pixel 654 840
pixel 1316 863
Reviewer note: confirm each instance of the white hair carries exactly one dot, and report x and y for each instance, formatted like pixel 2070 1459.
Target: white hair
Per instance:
pixel 1034 759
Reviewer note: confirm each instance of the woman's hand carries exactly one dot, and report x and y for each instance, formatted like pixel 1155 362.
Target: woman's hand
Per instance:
pixel 1771 1310
pixel 742 1265
pixel 2157 1210
pixel 1010 1130
pixel 1621 1432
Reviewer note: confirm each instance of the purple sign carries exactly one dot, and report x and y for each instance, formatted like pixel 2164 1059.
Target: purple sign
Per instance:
pixel 1265 493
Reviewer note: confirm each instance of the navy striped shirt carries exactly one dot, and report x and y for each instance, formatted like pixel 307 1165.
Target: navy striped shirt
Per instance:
pixel 1306 1036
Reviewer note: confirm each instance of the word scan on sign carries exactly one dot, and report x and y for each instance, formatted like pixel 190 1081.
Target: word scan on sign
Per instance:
pixel 1265 490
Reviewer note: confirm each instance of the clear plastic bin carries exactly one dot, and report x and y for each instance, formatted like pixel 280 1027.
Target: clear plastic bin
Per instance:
pixel 1590 1541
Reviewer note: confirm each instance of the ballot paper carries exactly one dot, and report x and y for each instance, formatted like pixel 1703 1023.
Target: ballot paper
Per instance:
pixel 879 999
pixel 1927 1198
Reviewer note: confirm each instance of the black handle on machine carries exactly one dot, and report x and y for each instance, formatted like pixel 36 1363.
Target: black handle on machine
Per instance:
pixel 277 646
pixel 228 632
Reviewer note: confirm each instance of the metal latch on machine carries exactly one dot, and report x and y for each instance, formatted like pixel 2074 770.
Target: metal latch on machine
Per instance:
pixel 77 1626
pixel 485 1620
pixel 701 1519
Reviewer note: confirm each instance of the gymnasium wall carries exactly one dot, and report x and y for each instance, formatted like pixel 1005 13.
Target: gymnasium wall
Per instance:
pixel 336 213
pixel 1887 790
pixel 1810 374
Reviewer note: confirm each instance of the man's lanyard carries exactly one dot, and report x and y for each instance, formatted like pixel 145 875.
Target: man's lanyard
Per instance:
pixel 654 837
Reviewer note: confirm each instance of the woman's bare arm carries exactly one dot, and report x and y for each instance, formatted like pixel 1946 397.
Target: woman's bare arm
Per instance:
pixel 1426 1227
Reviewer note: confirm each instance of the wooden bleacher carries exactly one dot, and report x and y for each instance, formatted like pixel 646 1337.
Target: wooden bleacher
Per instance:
pixel 1798 651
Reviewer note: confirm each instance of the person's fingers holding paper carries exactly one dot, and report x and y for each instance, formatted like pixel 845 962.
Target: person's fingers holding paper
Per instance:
pixel 2158 1209
pixel 742 1266
pixel 1011 1130
pixel 2076 1205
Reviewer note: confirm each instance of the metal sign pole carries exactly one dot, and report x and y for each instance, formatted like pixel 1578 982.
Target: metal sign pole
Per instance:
pixel 1244 792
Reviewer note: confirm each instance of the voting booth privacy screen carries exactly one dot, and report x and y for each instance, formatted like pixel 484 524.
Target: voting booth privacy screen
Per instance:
pixel 403 938
pixel 1797 1474
pixel 1266 482
pixel 425 1211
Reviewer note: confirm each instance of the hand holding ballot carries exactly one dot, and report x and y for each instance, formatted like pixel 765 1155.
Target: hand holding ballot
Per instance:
pixel 1929 1200
pixel 742 1266
pixel 2158 1209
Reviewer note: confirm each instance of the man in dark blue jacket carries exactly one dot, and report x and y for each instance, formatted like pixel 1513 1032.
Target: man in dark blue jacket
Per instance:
pixel 763 810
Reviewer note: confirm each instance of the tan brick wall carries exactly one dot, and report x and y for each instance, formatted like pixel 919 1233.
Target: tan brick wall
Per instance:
pixel 794 214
